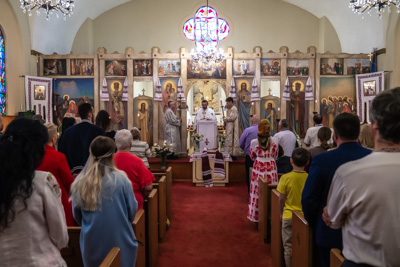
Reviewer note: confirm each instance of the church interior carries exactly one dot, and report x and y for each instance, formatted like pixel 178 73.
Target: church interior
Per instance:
pixel 277 59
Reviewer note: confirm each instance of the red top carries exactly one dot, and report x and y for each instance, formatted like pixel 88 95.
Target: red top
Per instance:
pixel 137 173
pixel 56 163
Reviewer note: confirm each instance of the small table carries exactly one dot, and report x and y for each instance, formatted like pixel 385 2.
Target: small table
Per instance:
pixel 197 170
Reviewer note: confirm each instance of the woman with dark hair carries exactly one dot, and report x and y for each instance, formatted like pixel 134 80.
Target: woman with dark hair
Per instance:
pixel 66 123
pixel 103 121
pixel 324 135
pixel 104 205
pixel 32 219
pixel 264 155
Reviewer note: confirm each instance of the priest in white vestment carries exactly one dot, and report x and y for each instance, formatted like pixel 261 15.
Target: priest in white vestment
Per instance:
pixel 231 128
pixel 172 127
pixel 205 113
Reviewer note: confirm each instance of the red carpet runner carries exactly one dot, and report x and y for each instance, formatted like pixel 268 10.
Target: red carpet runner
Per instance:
pixel 210 228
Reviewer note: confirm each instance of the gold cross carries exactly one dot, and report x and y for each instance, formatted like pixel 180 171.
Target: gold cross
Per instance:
pixel 269 91
pixel 143 91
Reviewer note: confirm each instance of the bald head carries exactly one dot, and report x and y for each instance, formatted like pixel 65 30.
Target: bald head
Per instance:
pixel 255 119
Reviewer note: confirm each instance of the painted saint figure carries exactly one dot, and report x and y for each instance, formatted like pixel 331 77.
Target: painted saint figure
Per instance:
pixel 271 116
pixel 142 122
pixel 244 106
pixel 297 108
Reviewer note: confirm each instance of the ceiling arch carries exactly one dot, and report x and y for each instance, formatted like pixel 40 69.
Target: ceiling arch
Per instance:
pixel 355 34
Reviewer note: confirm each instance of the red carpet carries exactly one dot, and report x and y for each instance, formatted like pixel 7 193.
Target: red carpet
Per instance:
pixel 210 228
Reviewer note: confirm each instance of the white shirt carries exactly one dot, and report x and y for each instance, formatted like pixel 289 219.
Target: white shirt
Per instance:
pixel 287 140
pixel 38 232
pixel 364 201
pixel 209 115
pixel 311 138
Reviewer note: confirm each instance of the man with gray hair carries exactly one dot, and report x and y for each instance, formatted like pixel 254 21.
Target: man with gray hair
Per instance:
pixel 285 138
pixel 247 136
pixel 140 177
pixel 363 198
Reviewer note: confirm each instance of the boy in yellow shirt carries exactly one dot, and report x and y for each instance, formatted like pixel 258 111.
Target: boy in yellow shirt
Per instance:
pixel 290 188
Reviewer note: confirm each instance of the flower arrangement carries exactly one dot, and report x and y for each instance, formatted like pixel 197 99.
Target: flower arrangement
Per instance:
pixel 221 139
pixel 162 150
pixel 298 140
pixel 197 138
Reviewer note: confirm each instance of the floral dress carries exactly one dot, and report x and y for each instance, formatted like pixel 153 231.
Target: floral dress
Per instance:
pixel 264 166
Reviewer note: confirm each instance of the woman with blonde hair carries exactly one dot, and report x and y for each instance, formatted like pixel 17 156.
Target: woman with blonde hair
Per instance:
pixel 264 155
pixel 365 138
pixel 104 205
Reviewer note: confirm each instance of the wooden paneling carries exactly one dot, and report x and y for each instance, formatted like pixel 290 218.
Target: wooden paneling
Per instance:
pixel 162 207
pixel 72 253
pixel 151 211
pixel 276 231
pixel 113 258
pixel 139 228
pixel 302 241
pixel 336 259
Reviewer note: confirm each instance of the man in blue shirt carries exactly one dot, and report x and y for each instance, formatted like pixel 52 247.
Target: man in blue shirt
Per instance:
pixel 248 135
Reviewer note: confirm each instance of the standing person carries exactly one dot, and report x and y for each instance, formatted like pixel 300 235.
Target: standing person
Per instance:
pixel 247 136
pixel 140 177
pixel 264 155
pixel 205 113
pixel 172 128
pixel 140 148
pixel 76 139
pixel 56 163
pixel 290 187
pixel 104 206
pixel 244 100
pixel 324 135
pixel 104 122
pixel 232 128
pixel 285 138
pixel 365 203
pixel 32 222
pixel 311 139
pixel 365 138
pixel 346 128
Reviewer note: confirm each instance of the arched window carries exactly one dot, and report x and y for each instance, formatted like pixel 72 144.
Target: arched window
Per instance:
pixel 2 73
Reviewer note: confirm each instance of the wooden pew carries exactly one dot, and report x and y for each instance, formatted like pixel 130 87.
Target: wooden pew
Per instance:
pixel 336 259
pixel 113 258
pixel 276 231
pixel 139 228
pixel 168 175
pixel 162 207
pixel 264 209
pixel 302 241
pixel 151 212
pixel 72 253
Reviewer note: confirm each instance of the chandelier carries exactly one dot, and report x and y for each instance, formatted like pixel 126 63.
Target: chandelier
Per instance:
pixel 206 56
pixel 48 7
pixel 362 6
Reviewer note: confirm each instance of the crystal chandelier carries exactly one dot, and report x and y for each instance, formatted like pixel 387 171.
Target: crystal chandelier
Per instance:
pixel 48 7
pixel 362 6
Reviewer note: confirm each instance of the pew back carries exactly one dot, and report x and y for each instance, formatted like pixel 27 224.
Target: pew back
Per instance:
pixel 168 175
pixel 276 231
pixel 151 211
pixel 336 259
pixel 72 253
pixel 139 228
pixel 113 258
pixel 302 241
pixel 162 207
pixel 264 209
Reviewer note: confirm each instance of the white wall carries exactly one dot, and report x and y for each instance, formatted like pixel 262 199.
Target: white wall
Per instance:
pixel 144 24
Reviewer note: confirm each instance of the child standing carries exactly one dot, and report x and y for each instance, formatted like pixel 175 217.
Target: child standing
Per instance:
pixel 290 188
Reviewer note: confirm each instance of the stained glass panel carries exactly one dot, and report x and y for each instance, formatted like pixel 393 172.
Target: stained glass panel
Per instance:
pixel 2 74
pixel 206 29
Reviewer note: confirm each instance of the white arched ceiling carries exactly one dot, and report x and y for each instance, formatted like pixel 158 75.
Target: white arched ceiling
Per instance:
pixel 57 35
pixel 356 35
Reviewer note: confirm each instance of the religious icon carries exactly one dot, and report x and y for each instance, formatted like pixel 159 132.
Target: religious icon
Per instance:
pixel 82 67
pixel 143 120
pixel 297 108
pixel 206 90
pixel 168 94
pixel 358 66
pixel 270 67
pixel 212 70
pixel 54 67
pixel 297 67
pixel 169 67
pixel 40 92
pixel 117 106
pixel 115 68
pixel 244 103
pixel 143 68
pixel 243 67
pixel 332 66
pixel 369 88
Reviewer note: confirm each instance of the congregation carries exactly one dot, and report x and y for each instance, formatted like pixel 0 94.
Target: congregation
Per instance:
pixel 95 180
